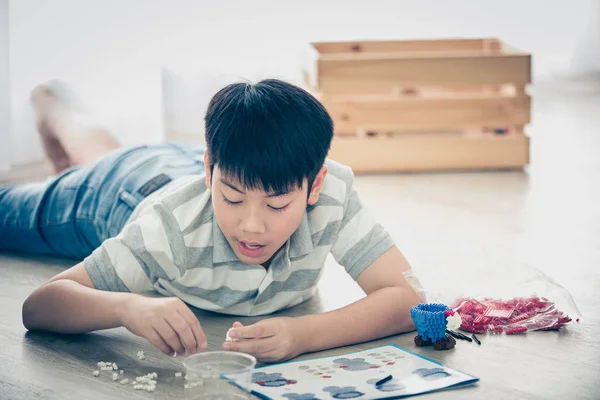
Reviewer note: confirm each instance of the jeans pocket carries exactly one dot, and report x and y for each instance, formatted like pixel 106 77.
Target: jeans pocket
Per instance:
pixel 120 212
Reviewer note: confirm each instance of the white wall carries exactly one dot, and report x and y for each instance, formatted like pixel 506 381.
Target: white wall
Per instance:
pixel 4 87
pixel 112 51
pixel 104 50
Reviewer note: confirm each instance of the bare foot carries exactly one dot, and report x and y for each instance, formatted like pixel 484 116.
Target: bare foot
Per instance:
pixel 69 135
pixel 54 96
pixel 45 106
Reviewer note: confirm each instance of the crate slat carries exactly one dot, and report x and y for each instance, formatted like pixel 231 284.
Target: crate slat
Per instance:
pixel 428 114
pixel 347 76
pixel 431 152
pixel 385 46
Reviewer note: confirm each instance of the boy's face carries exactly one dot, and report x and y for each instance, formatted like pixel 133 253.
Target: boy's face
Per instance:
pixel 257 224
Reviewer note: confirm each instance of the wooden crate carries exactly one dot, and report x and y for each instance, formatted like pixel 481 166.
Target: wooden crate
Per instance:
pixel 426 104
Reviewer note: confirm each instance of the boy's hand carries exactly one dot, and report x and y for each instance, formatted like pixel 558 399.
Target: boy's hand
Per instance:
pixel 166 322
pixel 269 340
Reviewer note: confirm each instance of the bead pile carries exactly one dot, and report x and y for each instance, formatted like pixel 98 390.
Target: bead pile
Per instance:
pixel 512 316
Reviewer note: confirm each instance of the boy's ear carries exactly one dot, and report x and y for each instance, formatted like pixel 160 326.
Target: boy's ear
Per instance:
pixel 207 170
pixel 317 185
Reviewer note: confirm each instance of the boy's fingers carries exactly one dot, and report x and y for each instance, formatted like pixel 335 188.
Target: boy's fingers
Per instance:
pixel 154 338
pixel 183 330
pixel 169 335
pixel 255 347
pixel 195 326
pixel 255 331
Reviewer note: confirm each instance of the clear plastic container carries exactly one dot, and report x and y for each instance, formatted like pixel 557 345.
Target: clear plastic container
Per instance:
pixel 216 375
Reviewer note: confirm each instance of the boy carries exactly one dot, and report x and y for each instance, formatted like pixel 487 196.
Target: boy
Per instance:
pixel 242 228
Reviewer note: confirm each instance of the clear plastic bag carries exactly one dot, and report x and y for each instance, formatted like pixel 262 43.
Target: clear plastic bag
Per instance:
pixel 510 299
pixel 510 316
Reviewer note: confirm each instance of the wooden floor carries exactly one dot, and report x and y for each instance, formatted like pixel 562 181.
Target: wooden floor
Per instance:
pixel 463 226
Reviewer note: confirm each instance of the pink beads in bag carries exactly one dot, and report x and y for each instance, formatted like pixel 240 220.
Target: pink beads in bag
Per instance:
pixel 509 316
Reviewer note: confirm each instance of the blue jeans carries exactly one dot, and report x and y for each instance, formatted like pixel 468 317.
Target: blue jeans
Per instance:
pixel 74 213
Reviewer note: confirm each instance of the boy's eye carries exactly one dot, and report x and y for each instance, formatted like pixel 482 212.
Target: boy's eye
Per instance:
pixel 230 202
pixel 278 208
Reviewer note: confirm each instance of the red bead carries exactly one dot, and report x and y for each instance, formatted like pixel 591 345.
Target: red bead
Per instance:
pixel 516 329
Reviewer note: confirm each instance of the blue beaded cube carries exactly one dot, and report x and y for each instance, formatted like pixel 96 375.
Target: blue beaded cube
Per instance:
pixel 430 320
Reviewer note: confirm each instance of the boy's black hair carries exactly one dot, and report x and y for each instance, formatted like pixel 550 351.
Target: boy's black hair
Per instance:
pixel 268 136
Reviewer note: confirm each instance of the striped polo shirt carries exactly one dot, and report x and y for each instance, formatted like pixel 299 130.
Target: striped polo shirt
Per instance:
pixel 173 245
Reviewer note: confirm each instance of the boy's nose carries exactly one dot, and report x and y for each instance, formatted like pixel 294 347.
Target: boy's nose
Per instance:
pixel 253 224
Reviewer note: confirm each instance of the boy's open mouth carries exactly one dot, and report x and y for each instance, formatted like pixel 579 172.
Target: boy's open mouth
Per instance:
pixel 251 249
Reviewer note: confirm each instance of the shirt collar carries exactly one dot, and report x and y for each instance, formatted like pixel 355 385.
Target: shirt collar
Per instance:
pixel 222 251
pixel 301 241
pixel 298 246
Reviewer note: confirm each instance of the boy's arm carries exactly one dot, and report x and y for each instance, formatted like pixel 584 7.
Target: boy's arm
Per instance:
pixel 69 303
pixel 384 311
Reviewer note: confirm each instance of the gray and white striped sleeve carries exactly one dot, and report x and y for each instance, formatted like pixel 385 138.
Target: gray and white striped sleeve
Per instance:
pixel 361 240
pixel 135 259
